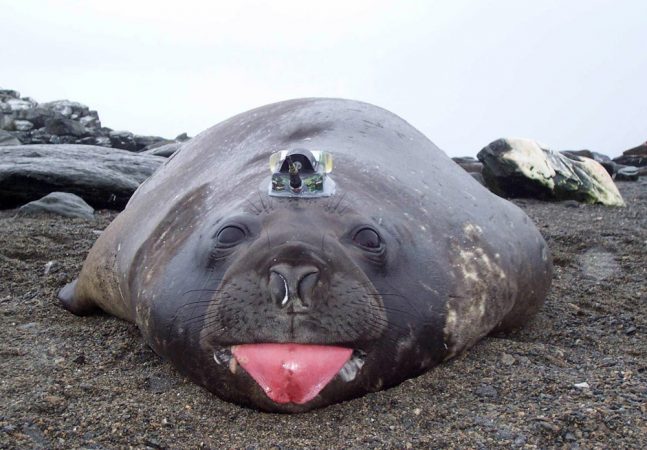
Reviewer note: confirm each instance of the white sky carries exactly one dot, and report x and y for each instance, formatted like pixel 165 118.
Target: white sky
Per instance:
pixel 571 74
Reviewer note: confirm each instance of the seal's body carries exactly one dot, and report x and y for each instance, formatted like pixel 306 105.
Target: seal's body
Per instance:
pixel 409 262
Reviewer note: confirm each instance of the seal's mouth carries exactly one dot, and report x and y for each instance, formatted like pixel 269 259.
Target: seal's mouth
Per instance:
pixel 292 373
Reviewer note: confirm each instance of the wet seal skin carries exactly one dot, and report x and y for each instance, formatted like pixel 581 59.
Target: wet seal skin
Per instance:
pixel 290 304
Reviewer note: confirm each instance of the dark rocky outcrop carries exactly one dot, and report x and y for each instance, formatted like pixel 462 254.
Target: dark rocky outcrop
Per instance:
pixel 59 203
pixel 524 168
pixel 65 122
pixel 103 177
pixel 636 156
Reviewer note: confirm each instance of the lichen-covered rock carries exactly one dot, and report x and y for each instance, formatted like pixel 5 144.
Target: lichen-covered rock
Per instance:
pixel 524 168
pixel 103 177
pixel 59 203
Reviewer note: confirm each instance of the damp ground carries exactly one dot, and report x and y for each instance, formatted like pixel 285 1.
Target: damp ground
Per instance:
pixel 576 377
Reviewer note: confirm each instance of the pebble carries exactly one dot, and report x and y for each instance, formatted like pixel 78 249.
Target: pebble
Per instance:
pixel 507 359
pixel 486 391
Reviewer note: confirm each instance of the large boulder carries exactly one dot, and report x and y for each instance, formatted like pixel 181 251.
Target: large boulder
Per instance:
pixel 58 203
pixel 524 168
pixel 103 177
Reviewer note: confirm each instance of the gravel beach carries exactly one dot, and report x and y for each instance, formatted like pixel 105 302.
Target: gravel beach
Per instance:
pixel 576 377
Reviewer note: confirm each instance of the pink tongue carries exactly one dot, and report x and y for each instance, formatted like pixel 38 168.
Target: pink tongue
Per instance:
pixel 291 373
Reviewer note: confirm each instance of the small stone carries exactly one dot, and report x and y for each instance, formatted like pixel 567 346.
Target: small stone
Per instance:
pixel 548 426
pixel 583 385
pixel 51 267
pixel 486 391
pixel 507 359
pixel 54 400
pixel 417 411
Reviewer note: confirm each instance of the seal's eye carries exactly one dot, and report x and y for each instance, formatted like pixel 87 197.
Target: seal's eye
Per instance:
pixel 368 239
pixel 231 235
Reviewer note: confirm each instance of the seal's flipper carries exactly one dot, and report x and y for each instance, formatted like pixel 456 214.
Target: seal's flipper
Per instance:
pixel 74 303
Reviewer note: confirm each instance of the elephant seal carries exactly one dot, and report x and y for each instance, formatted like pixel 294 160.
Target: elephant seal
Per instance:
pixel 292 303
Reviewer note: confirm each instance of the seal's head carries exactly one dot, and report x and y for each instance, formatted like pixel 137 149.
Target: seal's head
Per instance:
pixel 288 303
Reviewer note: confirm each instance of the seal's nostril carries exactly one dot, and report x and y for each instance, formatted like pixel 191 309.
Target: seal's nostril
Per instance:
pixel 307 285
pixel 293 285
pixel 278 288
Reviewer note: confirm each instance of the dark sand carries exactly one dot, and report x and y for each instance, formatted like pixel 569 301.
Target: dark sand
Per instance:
pixel 70 382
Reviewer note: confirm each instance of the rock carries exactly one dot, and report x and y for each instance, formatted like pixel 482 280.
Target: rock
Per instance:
pixel 61 126
pixel 23 125
pixel 124 140
pixel 59 203
pixel 7 138
pixel 631 160
pixel 583 385
pixel 595 156
pixel 103 177
pixel 101 141
pixel 486 391
pixel 627 173
pixel 636 156
pixel 40 136
pixel 610 167
pixel 67 108
pixel 65 122
pixel 640 150
pixel 523 168
pixel 182 137
pixel 6 94
pixel 38 116
pixel 36 435
pixel 63 140
pixel 90 122
pixel 17 104
pixel 144 142
pixel 164 150
pixel 469 163
pixel 507 359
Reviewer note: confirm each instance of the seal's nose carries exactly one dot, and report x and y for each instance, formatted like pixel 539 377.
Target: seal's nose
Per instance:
pixel 293 286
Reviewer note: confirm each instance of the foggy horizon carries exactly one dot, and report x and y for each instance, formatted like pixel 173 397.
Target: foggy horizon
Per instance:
pixel 569 75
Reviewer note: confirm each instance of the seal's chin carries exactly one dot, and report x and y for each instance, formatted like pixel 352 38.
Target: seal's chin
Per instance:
pixel 292 373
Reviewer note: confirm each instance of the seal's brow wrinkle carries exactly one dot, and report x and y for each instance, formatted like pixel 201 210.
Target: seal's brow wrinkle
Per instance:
pixel 368 318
